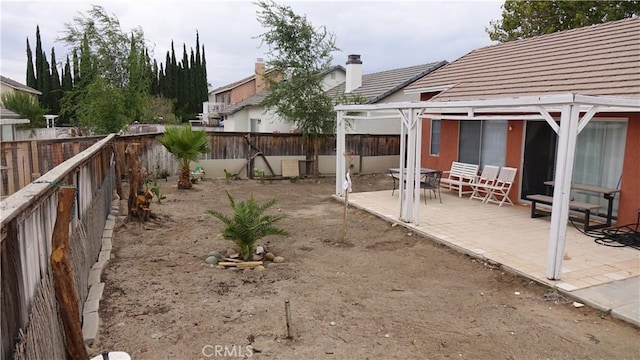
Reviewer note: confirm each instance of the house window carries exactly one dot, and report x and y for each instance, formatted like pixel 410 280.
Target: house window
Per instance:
pixel 435 138
pixel 598 160
pixel 483 142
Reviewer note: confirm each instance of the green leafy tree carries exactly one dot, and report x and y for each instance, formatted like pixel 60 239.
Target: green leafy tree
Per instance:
pixel 111 63
pixel 523 19
pixel 26 106
pixel 300 52
pixel 185 145
pixel 248 223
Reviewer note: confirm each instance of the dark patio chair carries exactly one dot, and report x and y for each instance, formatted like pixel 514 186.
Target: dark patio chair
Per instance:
pixel 431 182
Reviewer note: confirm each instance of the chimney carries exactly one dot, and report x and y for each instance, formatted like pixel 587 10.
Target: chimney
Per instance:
pixel 354 73
pixel 260 83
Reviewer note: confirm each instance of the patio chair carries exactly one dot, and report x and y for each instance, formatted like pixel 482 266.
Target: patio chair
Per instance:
pixel 432 182
pixel 487 178
pixel 499 192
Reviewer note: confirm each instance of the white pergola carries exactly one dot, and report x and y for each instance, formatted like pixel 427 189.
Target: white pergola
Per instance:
pixel 575 113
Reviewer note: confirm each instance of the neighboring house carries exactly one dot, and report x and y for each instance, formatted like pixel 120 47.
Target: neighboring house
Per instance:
pixel 8 122
pixel 9 119
pixel 9 86
pixel 379 87
pixel 232 94
pixel 384 86
pixel 599 60
pixel 249 115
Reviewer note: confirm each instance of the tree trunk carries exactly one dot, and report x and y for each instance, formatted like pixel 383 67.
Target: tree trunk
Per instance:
pixel 63 277
pixel 185 179
pixel 135 180
pixel 316 157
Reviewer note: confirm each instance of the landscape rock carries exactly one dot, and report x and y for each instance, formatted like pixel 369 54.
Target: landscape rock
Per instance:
pixel 215 253
pixel 278 259
pixel 259 268
pixel 212 260
pixel 255 257
pixel 269 256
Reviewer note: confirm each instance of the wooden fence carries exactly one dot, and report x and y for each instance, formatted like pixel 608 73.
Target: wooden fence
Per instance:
pixel 29 316
pixel 25 161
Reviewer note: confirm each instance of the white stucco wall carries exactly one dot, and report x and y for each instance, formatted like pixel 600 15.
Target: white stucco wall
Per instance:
pixel 382 127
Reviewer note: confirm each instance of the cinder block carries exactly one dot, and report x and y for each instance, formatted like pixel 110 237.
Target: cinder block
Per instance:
pixel 90 306
pixel 107 233
pixel 105 255
pixel 94 276
pixel 106 241
pixel 90 325
pixel 99 265
pixel 109 224
pixel 95 292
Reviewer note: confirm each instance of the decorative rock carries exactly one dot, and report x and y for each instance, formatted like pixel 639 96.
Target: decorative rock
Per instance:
pixel 259 250
pixel 212 260
pixel 255 257
pixel 278 259
pixel 269 256
pixel 220 267
pixel 259 268
pixel 215 253
pixel 231 252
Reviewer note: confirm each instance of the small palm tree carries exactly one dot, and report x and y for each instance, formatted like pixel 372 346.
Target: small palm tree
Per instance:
pixel 185 145
pixel 248 223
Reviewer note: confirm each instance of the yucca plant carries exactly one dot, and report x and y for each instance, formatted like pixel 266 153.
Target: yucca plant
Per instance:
pixel 185 145
pixel 248 223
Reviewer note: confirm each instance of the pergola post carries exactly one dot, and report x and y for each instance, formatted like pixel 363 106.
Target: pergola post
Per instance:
pixel 409 194
pixel 340 150
pixel 567 136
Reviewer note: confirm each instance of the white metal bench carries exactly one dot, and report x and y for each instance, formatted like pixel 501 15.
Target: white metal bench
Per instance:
pixel 461 175
pixel 548 200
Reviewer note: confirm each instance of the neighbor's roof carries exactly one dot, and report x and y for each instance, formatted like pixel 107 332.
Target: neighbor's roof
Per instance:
pixel 377 86
pixel 235 84
pixel 16 85
pixel 8 117
pixel 601 59
pixel 257 98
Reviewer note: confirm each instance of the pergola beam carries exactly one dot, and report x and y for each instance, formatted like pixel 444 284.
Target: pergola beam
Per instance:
pixel 570 106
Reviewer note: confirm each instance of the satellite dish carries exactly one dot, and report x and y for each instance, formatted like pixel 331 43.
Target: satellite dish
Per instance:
pixel 112 355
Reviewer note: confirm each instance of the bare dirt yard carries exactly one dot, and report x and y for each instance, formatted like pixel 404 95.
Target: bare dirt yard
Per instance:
pixel 385 293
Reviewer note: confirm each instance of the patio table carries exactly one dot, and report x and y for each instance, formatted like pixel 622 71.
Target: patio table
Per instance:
pixel 394 173
pixel 608 193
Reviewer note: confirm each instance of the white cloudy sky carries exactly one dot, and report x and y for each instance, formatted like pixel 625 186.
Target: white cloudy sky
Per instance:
pixel 387 34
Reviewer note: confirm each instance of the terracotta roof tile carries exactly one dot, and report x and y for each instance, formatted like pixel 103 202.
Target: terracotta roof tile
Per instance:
pixel 602 59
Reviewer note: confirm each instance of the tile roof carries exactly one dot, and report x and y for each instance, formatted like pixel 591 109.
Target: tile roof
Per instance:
pixel 601 59
pixel 376 86
pixel 236 83
pixel 16 85
pixel 257 98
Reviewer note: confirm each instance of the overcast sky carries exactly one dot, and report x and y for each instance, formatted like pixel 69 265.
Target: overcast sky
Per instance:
pixel 387 34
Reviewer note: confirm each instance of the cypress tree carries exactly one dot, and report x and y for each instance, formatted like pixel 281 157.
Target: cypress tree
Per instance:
pixel 67 80
pixel 167 85
pixel 39 62
pixel 55 87
pixel 205 86
pixel 31 76
pixel 76 68
pixel 45 75
pixel 155 80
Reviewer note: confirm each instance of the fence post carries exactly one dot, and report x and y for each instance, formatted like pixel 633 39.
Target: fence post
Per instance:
pixel 66 294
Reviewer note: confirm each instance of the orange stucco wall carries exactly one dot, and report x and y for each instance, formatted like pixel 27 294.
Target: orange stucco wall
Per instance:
pixel 448 145
pixel 629 187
